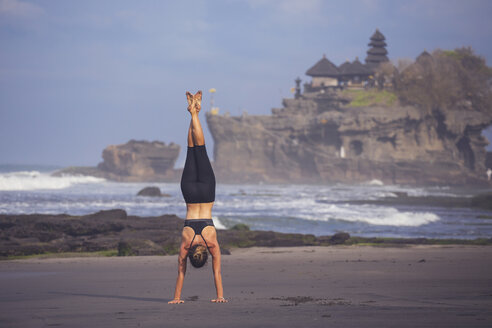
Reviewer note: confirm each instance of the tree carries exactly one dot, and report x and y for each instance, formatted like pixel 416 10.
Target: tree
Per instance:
pixel 445 80
pixel 385 73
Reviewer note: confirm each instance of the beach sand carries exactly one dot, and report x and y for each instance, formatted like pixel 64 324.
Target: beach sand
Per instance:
pixel 337 286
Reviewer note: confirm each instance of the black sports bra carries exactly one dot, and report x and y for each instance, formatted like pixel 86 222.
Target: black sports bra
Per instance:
pixel 198 225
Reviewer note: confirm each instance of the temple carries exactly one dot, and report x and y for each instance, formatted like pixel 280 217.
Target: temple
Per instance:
pixel 355 74
pixel 377 53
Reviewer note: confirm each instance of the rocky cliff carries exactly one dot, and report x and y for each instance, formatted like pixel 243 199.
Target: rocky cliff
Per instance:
pixel 134 161
pixel 324 137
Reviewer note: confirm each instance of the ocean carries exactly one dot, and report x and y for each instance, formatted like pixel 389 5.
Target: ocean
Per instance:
pixel 309 209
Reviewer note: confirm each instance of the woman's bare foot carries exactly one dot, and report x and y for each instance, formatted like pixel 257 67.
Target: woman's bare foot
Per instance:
pixel 175 302
pixel 194 102
pixel 219 300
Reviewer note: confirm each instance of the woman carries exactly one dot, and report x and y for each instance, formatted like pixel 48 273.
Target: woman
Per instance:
pixel 198 188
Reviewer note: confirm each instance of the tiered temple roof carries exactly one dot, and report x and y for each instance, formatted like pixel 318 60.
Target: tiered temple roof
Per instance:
pixel 377 53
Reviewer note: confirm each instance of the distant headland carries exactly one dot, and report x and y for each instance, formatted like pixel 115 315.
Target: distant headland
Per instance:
pixel 417 123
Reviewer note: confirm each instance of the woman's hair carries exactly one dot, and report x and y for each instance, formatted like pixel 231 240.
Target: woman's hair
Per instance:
pixel 198 255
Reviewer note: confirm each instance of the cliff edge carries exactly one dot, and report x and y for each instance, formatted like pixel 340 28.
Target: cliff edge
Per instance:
pixel 323 137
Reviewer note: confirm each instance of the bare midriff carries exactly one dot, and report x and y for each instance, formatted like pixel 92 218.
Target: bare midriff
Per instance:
pixel 199 210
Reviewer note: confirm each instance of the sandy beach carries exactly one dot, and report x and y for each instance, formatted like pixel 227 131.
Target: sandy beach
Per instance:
pixel 339 286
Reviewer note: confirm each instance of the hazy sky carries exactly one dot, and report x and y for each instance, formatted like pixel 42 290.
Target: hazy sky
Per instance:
pixel 76 76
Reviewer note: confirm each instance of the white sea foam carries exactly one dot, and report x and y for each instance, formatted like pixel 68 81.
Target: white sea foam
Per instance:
pixel 309 209
pixel 218 224
pixel 375 215
pixel 34 180
pixel 375 182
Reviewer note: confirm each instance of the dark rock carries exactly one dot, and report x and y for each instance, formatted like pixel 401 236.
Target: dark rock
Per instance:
pixel 152 192
pixel 482 201
pixel 133 235
pixel 488 159
pixel 108 215
pixel 339 238
pixel 140 247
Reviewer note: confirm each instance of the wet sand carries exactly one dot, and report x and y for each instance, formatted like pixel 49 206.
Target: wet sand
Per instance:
pixel 337 286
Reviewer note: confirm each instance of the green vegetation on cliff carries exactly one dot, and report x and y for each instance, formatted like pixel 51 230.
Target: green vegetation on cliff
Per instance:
pixel 372 97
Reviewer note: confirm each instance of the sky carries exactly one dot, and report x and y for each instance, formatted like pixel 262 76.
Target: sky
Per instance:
pixel 77 76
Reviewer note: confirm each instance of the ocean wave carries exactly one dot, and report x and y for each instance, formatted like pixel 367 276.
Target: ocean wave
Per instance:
pixel 311 209
pixel 218 224
pixel 374 215
pixel 374 182
pixel 35 180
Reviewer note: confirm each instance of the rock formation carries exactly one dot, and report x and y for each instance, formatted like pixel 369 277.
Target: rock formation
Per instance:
pixel 152 192
pixel 120 234
pixel 321 137
pixel 141 160
pixel 134 161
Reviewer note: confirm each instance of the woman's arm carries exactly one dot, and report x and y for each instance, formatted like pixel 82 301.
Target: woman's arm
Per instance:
pixel 181 274
pixel 217 274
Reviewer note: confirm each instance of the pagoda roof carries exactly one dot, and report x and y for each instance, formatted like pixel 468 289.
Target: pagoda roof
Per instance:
pixel 378 36
pixel 377 51
pixel 344 67
pixel 377 44
pixel 323 67
pixel 354 68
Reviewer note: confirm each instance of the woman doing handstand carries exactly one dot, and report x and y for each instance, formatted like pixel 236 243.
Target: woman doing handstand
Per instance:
pixel 198 188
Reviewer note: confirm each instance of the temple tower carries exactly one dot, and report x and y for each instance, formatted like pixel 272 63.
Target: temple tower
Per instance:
pixel 377 53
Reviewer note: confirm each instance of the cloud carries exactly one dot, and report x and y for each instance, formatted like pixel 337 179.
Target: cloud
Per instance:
pixel 16 8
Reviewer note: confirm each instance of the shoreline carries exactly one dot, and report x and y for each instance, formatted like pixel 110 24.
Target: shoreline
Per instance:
pixel 114 233
pixel 400 243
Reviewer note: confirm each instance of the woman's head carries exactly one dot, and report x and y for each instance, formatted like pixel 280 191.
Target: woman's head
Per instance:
pixel 198 255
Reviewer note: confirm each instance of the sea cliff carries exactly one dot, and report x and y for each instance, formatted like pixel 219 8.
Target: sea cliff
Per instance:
pixel 329 137
pixel 135 161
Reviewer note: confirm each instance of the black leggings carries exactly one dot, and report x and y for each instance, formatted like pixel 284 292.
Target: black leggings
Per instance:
pixel 198 179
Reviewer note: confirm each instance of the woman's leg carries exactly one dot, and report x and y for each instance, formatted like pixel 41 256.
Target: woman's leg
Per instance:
pixel 196 140
pixel 199 204
pixel 190 135
pixel 205 173
pixel 196 129
pixel 189 177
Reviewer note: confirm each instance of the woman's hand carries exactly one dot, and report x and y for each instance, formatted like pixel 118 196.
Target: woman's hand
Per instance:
pixel 219 300
pixel 178 301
